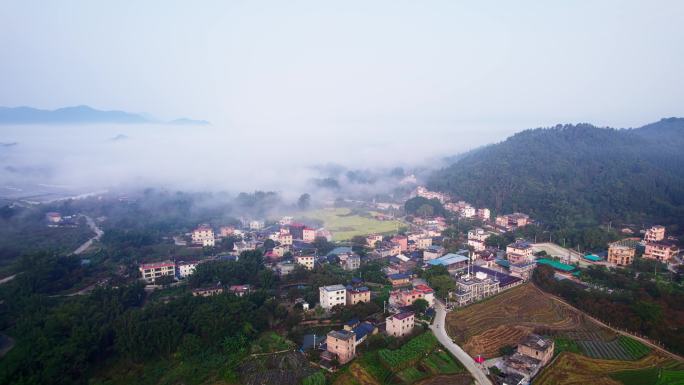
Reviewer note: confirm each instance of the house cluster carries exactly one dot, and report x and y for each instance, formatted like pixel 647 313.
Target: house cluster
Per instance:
pixel 654 245
pixel 532 353
pixel 341 345
pixel 177 269
pixel 510 222
pixel 461 208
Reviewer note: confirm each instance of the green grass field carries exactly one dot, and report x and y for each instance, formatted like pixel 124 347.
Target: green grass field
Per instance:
pixel 345 224
pixel 650 376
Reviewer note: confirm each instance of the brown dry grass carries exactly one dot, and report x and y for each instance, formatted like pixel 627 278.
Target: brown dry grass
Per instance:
pixel 504 319
pixel 574 369
pixel 356 375
pixel 456 379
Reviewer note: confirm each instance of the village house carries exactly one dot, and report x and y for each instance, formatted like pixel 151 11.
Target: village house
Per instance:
pixel 284 239
pixel 357 294
pixel 512 221
pixel 240 290
pixel 522 270
pixel 308 234
pixel 399 325
pixel 662 251
pixel 284 221
pixel 186 268
pixel 207 291
pixel 332 295
pixel 476 239
pixel 433 252
pixel 241 246
pixel 402 241
pixel 203 235
pixel 622 252
pixel 538 347
pixel 256 225
pixel 399 279
pixel 406 297
pixel 519 252
pixel 423 243
pixel 351 263
pixel 372 240
pixel 471 288
pixel 340 344
pixel 361 329
pixel 226 231
pixel 280 250
pixel 307 261
pixel 53 217
pixel 152 271
pixel 421 191
pixel 483 214
pixel 655 234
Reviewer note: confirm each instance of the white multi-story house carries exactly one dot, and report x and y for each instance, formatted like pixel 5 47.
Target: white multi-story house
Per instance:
pixel 186 268
pixel 152 271
pixel 476 239
pixel 306 261
pixel 331 296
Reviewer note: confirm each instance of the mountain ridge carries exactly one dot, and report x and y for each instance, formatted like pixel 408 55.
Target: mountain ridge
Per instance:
pixel 81 114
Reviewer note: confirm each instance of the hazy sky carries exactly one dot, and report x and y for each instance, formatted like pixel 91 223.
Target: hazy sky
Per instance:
pixel 374 63
pixel 407 79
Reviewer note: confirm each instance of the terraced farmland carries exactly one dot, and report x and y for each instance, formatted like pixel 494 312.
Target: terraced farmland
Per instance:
pixel 605 350
pixel 485 327
pixel 575 369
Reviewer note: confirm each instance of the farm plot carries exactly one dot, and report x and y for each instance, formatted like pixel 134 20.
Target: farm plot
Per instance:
pixel 604 350
pixel 575 369
pixel 345 224
pixel 635 348
pixel 409 353
pixel 485 327
pixel 421 358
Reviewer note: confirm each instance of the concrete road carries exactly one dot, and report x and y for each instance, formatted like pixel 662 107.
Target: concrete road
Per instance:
pixel 439 331
pixel 98 234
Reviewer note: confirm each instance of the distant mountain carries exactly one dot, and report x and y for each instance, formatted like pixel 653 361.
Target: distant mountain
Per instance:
pixel 577 174
pixel 77 115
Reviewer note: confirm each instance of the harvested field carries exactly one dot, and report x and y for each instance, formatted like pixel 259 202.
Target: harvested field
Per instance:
pixel 356 375
pixel 458 379
pixel 574 369
pixel 502 320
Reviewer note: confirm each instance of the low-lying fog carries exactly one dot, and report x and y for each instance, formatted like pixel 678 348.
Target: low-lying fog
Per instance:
pixel 219 157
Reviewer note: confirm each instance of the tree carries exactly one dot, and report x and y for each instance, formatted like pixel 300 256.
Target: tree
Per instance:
pixel 164 280
pixel 425 211
pixel 304 201
pixel 420 305
pixel 269 244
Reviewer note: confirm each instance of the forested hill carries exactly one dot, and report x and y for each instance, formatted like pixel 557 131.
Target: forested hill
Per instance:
pixel 578 174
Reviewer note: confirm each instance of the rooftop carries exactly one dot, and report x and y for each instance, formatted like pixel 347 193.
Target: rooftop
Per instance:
pixel 333 288
pixel 402 315
pixel 448 259
pixel 341 334
pixel 536 342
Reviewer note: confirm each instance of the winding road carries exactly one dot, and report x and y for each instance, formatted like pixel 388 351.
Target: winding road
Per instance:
pixel 98 234
pixel 438 329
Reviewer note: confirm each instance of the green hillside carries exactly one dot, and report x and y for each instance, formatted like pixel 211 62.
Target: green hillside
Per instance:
pixel 578 174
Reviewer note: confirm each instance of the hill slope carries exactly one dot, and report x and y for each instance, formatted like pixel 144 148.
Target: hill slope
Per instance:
pixel 578 174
